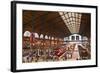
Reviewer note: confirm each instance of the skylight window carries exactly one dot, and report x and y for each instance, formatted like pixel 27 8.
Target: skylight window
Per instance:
pixel 72 20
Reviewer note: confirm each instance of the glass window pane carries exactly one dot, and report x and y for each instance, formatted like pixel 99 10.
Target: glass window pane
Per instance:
pixel 79 15
pixel 65 21
pixel 76 15
pixel 61 13
pixel 69 14
pixel 66 15
pixel 68 20
pixel 71 19
pixel 73 14
pixel 63 17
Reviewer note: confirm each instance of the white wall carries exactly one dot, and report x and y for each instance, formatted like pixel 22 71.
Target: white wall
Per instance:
pixel 5 36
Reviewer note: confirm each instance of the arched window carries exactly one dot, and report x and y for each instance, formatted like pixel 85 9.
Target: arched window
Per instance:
pixel 46 37
pixel 27 34
pixel 36 35
pixel 52 38
pixel 73 37
pixel 77 37
pixel 41 36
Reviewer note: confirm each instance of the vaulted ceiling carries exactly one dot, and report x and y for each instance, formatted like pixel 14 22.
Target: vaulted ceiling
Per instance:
pixel 52 24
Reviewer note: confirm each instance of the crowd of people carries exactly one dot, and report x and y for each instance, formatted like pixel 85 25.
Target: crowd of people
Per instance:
pixel 60 52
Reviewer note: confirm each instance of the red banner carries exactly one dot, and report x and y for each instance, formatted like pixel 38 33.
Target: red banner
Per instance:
pixel 59 51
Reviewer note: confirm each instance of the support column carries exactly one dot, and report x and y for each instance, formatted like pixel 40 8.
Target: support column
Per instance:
pixel 75 37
